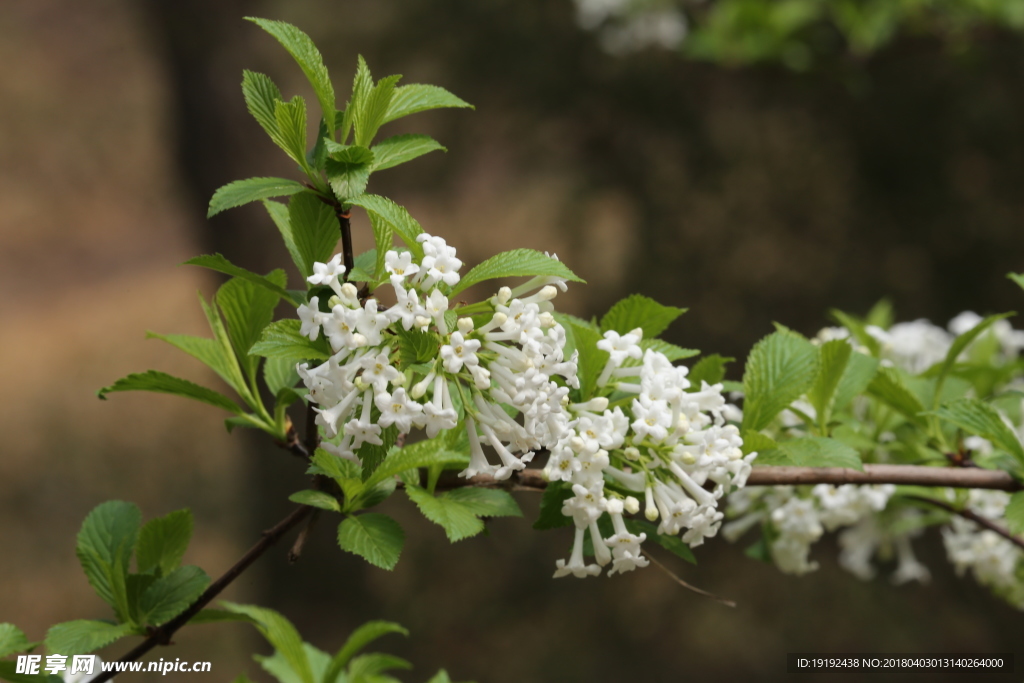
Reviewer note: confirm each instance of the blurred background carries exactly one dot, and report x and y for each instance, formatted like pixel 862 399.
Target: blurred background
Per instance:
pixel 750 160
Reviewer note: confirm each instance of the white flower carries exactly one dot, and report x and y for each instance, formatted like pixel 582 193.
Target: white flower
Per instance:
pixel 401 266
pixel 370 323
pixel 575 565
pixel 458 352
pixel 340 328
pixel 362 430
pixel 311 318
pixel 398 409
pixel 621 347
pixel 407 307
pixel 328 274
pixel 377 370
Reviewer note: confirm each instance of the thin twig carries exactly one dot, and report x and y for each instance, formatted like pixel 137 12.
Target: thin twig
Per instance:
pixel 914 475
pixel 161 635
pixel 300 541
pixel 674 577
pixel 974 517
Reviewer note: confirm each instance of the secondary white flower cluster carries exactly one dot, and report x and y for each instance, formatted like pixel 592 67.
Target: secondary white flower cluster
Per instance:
pixel 916 346
pixel 994 560
pixel 796 519
pixel 629 25
pixel 510 360
pixel 660 442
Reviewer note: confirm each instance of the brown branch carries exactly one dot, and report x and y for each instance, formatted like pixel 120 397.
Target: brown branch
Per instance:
pixel 974 517
pixel 161 635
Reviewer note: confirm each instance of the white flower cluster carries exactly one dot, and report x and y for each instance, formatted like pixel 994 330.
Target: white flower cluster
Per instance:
pixel 510 360
pixel 629 25
pixel 993 559
pixel 662 442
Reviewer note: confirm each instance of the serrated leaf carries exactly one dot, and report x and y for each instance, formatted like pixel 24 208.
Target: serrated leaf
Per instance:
pixel 222 265
pixel 833 359
pixel 555 495
pixel 376 538
pixel 710 369
pixel 404 225
pixel 362 84
pixel 279 215
pixel 640 311
pixel 360 638
pixel 486 502
pixel 420 454
pixel 415 346
pixel 162 383
pixel 261 98
pixel 247 310
pixel 291 128
pixel 457 520
pixel 591 361
pixel 673 544
pixel 889 387
pixel 402 148
pixel 242 192
pixel 516 263
pixel 278 667
pixel 215 616
pixel 317 499
pixel 279 373
pixel 857 329
pixel 1015 512
pixel 812 451
pixel 314 228
pixel 300 46
pixel 670 351
pixel 171 595
pixel 756 442
pixel 348 180
pixel 383 237
pixel 779 369
pixel 162 542
pixel 210 352
pixel 860 370
pixel 83 636
pixel 282 339
pixel 958 346
pixel 977 417
pixel 9 672
pixel 369 115
pixel 416 97
pixel 280 633
pixel 105 544
pixel 12 639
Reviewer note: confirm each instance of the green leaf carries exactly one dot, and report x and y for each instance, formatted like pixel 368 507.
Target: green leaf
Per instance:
pixel 300 46
pixel 977 417
pixel 280 633
pixel 210 352
pixel 640 311
pixel 171 595
pixel 1015 513
pixel 347 178
pixel 416 97
pixel 278 667
pixel 362 85
pixel 360 638
pixel 457 520
pixel 710 369
pixel 317 499
pixel 780 368
pixel 242 192
pixel 670 351
pixel 12 639
pixel 420 454
pixel 383 237
pixel 404 225
pixel 402 148
pixel 591 361
pixel 281 339
pixel 857 329
pixel 163 383
pixel 859 372
pixel 105 544
pixel 369 115
pixel 279 214
pixel 958 346
pixel 215 616
pixel 222 265
pixel 1018 278
pixel 368 667
pixel 440 677
pixel 812 451
pixel 756 442
pixel 279 373
pixel 881 314
pixel 291 128
pixel 162 542
pixel 315 229
pixel 890 387
pixel 247 309
pixel 8 672
pixel 83 636
pixel 261 98
pixel 486 502
pixel 516 263
pixel 415 346
pixel 376 538
pixel 673 544
pixel 833 359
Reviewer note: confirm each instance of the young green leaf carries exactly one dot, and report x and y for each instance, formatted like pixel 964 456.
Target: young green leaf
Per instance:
pixel 170 595
pixel 420 454
pixel 757 442
pixel 369 116
pixel 958 346
pixel 279 373
pixel 857 329
pixel 640 311
pixel 881 314
pixel 1015 513
pixel 282 339
pixel 416 97
pixel 222 265
pixel 317 499
pixel 977 417
pixel 457 520
pixel 360 638
pixel 104 549
pixel 300 46
pixel 860 370
pixel 516 263
pixel 242 192
pixel 362 85
pixel 555 495
pixel 376 538
pixel 315 230
pixel 812 451
pixel 291 129
pixel 162 543
pixel 398 217
pixel 835 355
pixel 370 667
pixel 402 148
pixel 780 368
pixel 12 639
pixel 383 237
pixel 277 665
pixel 247 310
pixel 163 383
pixel 349 174
pixel 212 353
pixel 280 633
pixel 486 502
pixel 710 369
pixel 82 636
pixel 591 361
pixel 891 388
pixel 261 98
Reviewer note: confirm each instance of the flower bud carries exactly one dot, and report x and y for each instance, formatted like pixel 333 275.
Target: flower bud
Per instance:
pixel 632 505
pixel 465 325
